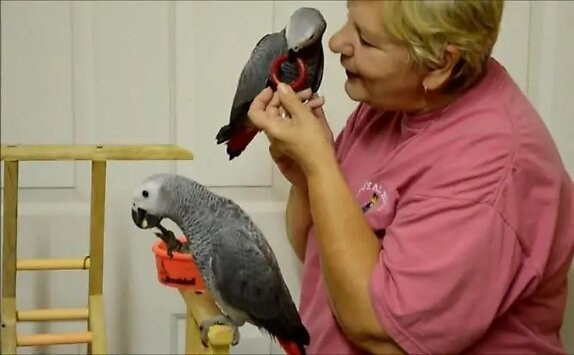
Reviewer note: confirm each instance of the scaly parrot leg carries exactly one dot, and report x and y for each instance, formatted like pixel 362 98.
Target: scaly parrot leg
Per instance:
pixel 171 242
pixel 220 320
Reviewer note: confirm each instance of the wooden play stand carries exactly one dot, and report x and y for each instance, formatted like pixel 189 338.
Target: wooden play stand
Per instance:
pixel 199 305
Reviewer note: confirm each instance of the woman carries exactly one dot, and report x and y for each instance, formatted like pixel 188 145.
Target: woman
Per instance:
pixel 441 218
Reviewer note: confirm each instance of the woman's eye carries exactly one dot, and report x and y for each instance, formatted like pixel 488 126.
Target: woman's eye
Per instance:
pixel 365 43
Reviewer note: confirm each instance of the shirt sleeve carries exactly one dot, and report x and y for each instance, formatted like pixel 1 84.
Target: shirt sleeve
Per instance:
pixel 443 273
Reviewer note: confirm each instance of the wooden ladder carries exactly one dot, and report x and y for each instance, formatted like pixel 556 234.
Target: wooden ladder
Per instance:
pixel 95 336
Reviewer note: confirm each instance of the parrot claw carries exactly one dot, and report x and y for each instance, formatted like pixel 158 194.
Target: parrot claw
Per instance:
pixel 220 320
pixel 171 242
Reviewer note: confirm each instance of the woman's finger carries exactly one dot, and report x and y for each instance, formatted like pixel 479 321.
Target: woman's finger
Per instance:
pixel 256 113
pixel 262 99
pixel 290 101
pixel 306 94
pixel 316 102
pixel 274 100
pixel 302 95
pixel 273 106
pixel 272 111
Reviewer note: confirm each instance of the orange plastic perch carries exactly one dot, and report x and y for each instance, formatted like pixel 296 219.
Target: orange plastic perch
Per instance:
pixel 179 271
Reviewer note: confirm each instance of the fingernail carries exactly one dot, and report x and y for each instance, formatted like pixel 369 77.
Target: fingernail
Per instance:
pixel 284 88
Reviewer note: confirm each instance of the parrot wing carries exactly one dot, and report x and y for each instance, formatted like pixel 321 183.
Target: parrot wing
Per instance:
pixel 253 79
pixel 248 279
pixel 319 74
pixel 255 73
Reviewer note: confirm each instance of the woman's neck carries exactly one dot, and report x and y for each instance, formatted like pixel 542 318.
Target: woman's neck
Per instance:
pixel 432 102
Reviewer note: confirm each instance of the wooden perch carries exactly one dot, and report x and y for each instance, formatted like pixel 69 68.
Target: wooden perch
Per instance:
pixel 95 337
pixel 52 314
pixel 9 251
pixel 53 264
pixel 93 152
pixel 199 308
pixel 53 339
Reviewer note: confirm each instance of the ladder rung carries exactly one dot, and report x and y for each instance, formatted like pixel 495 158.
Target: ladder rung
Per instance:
pixel 54 338
pixel 53 264
pixel 52 314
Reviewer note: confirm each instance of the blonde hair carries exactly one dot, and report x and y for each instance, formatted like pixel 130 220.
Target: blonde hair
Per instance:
pixel 427 26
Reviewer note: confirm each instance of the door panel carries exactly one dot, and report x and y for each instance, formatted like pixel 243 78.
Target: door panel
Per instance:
pixel 37 93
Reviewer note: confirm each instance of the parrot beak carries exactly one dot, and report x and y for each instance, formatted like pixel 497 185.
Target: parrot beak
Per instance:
pixel 143 219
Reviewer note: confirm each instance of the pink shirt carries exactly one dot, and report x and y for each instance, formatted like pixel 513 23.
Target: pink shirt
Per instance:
pixel 474 211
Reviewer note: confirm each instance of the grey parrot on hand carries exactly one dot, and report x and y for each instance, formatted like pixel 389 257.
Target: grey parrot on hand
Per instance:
pixel 300 41
pixel 236 262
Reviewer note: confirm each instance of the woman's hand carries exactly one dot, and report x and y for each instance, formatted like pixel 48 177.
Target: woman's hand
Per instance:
pixel 301 141
pixel 288 167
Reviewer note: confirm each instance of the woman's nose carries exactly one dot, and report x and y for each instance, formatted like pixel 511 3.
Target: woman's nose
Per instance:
pixel 339 43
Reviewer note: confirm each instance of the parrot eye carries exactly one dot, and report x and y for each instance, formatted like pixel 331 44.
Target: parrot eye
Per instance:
pixel 145 193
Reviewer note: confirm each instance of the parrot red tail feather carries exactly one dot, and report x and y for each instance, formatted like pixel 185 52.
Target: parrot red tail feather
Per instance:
pixel 291 347
pixel 239 141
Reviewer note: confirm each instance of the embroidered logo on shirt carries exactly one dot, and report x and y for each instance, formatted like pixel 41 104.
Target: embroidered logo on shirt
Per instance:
pixel 374 199
pixel 377 195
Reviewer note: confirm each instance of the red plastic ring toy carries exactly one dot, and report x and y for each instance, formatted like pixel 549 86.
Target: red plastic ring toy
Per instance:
pixel 296 84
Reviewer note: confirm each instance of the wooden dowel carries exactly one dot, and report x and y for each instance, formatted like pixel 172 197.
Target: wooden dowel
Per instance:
pixel 56 314
pixel 8 329
pixel 96 322
pixel 193 343
pixel 53 264
pixel 97 214
pixel 220 338
pixel 201 305
pixel 54 338
pixel 96 325
pixel 9 256
pixel 199 308
pixel 55 152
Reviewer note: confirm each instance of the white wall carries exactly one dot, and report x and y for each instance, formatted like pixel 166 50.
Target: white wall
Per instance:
pixel 551 86
pixel 160 72
pixel 551 71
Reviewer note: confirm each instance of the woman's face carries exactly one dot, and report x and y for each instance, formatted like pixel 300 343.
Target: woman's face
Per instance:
pixel 378 69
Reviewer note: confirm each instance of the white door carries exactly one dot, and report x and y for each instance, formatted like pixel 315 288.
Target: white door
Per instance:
pixel 138 73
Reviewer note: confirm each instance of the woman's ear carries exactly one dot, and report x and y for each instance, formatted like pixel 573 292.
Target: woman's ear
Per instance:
pixel 438 77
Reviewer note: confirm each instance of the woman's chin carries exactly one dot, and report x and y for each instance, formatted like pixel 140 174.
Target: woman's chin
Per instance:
pixel 354 89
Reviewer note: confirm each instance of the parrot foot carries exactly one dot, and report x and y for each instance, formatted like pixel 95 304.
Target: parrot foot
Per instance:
pixel 171 242
pixel 220 320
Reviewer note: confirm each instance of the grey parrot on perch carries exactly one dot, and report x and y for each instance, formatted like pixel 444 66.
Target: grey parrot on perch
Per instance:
pixel 236 262
pixel 294 56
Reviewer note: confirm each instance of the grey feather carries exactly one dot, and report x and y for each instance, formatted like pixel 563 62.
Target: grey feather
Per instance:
pixel 253 77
